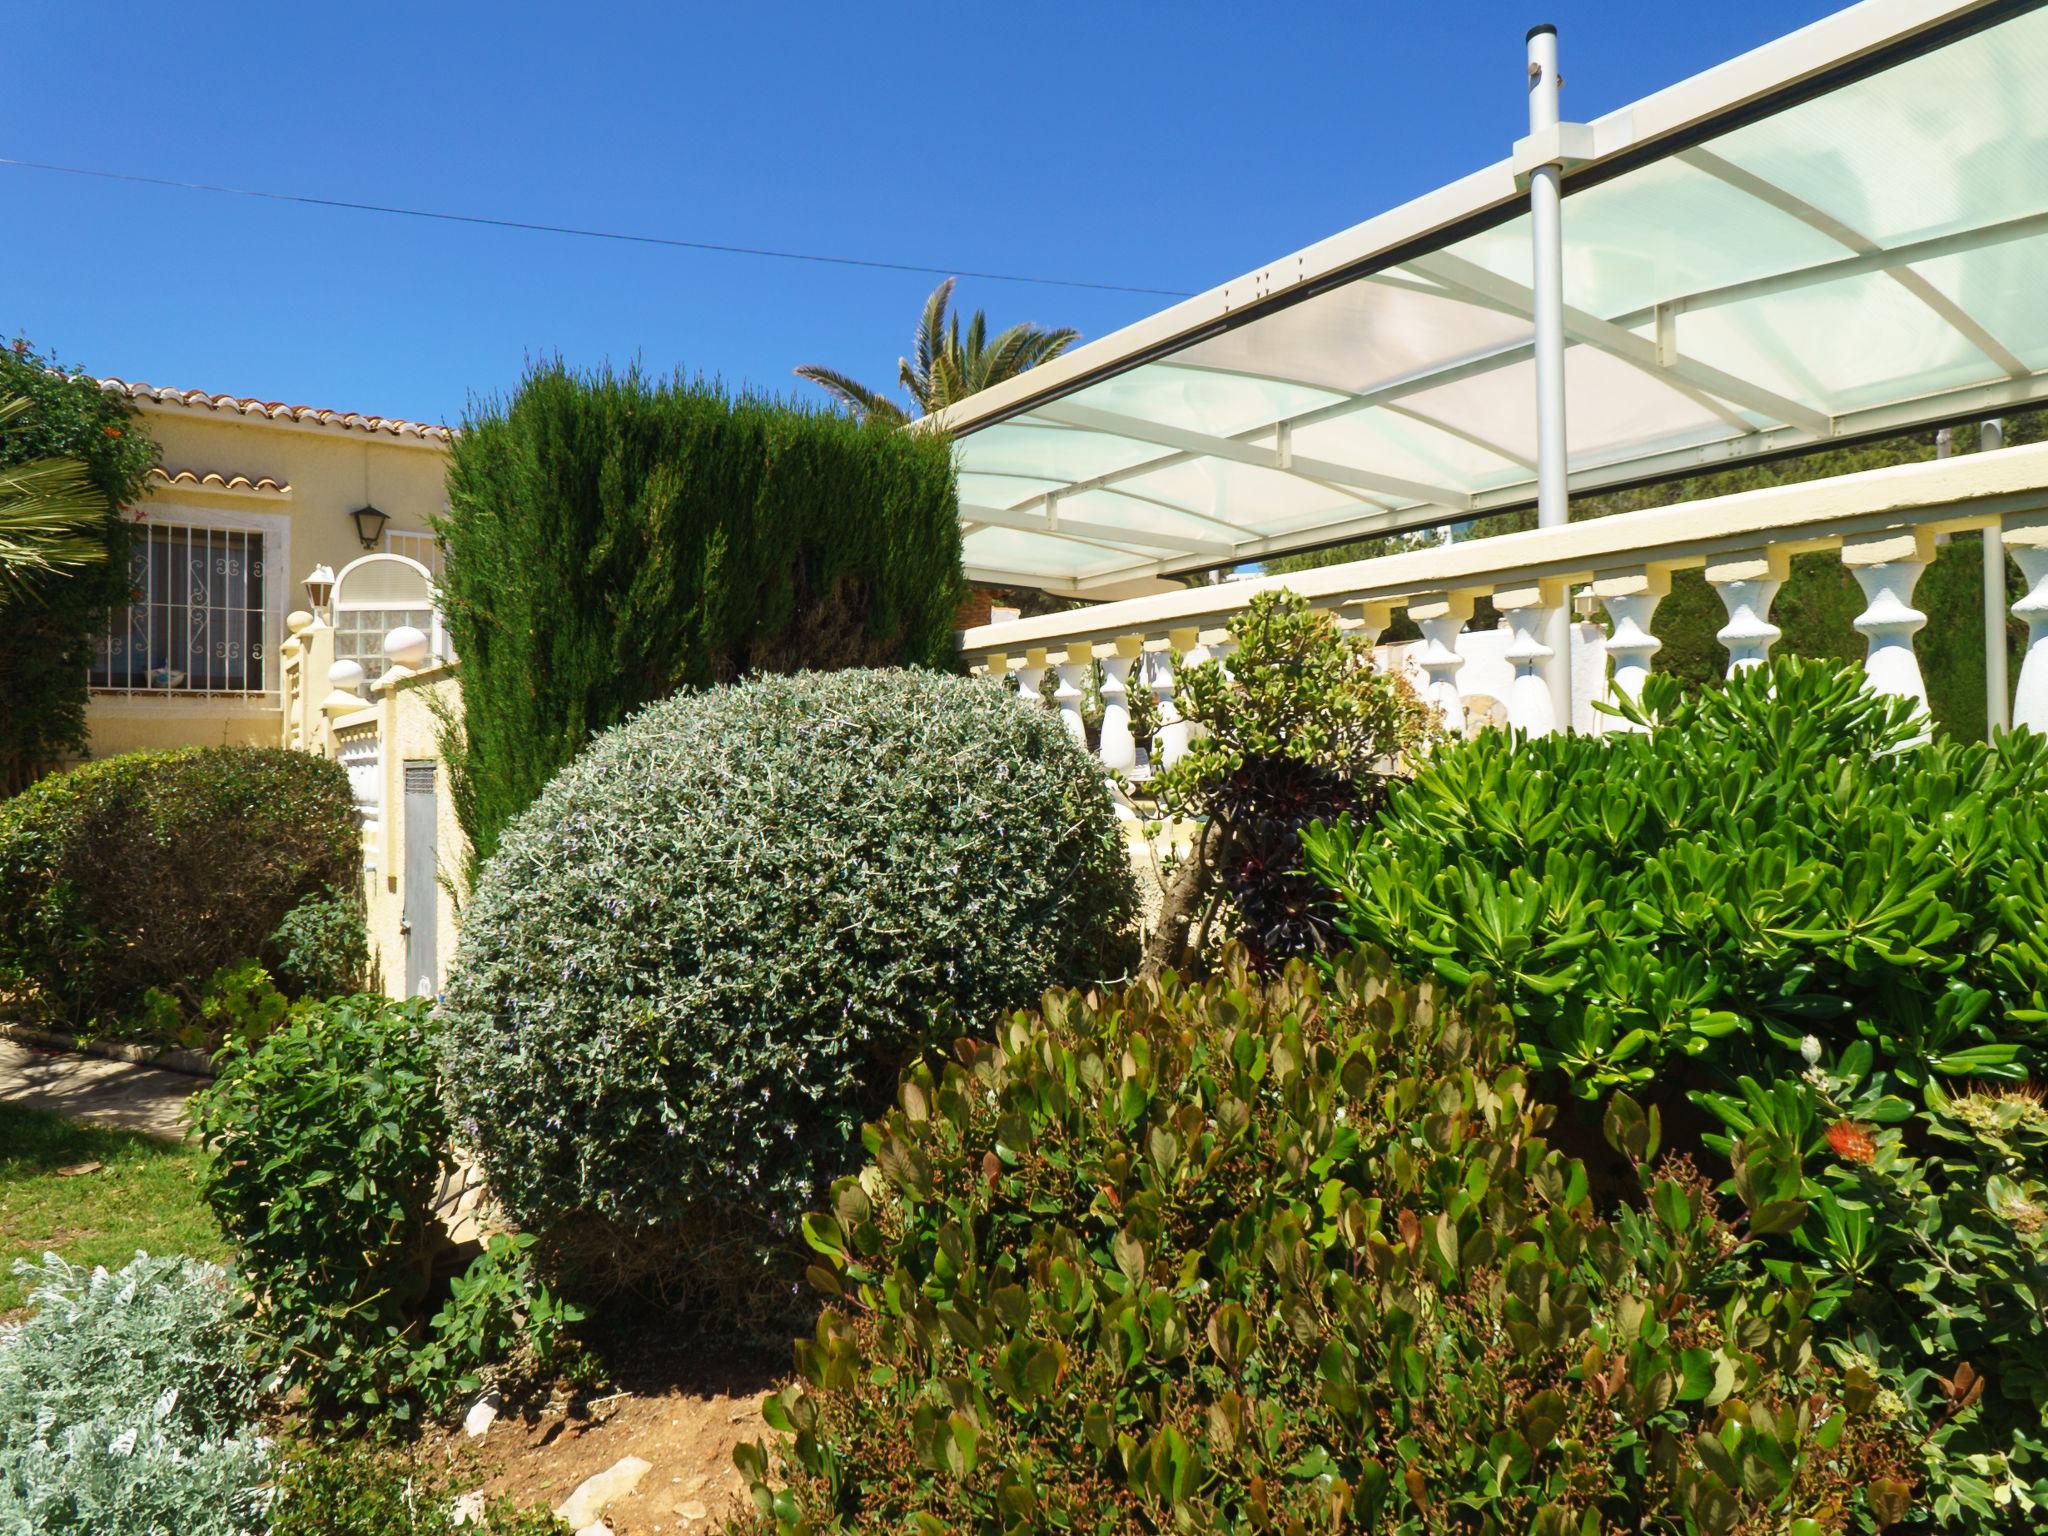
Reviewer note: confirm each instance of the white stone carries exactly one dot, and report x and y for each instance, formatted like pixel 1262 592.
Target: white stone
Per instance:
pixel 468 1509
pixel 483 1413
pixel 583 1507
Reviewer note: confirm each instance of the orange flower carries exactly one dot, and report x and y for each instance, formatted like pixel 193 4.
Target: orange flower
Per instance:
pixel 111 431
pixel 1853 1143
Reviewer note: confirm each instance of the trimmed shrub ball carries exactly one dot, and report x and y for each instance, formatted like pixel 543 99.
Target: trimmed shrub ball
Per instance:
pixel 698 961
pixel 155 869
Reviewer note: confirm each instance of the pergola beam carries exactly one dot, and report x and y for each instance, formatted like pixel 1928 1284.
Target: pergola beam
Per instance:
pixel 1238 450
pixel 1590 330
pixel 1059 525
pixel 1774 196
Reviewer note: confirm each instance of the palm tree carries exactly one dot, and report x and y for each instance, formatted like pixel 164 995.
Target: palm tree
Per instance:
pixel 947 368
pixel 50 516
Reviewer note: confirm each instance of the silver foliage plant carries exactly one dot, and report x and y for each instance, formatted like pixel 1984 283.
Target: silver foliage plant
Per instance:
pixel 128 1406
pixel 698 962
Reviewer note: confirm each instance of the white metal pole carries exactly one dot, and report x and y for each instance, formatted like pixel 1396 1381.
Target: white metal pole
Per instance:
pixel 1546 230
pixel 1997 678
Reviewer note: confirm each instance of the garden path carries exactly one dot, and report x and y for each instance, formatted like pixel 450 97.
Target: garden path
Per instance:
pixel 95 1091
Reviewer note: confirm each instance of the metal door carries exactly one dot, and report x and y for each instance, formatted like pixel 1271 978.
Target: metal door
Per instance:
pixel 421 916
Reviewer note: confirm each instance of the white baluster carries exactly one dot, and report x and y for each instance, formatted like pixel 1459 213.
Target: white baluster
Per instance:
pixel 1370 624
pixel 1174 732
pixel 1119 746
pixel 996 668
pixel 2026 540
pixel 1440 617
pixel 1532 711
pixel 1748 584
pixel 1073 673
pixel 1887 567
pixel 1631 597
pixel 1031 677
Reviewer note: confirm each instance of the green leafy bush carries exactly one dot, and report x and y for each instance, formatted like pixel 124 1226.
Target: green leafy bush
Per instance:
pixel 611 539
pixel 357 1488
pixel 1300 727
pixel 698 962
pixel 327 1136
pixel 155 869
pixel 1237 1258
pixel 128 1407
pixel 1770 908
pixel 321 948
pixel 47 636
pixel 499 1311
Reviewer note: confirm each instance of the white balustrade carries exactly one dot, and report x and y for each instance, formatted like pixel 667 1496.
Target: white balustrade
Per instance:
pixel 1885 524
pixel 2027 542
pixel 1073 671
pixel 1887 567
pixel 1119 748
pixel 1440 617
pixel 1631 597
pixel 1748 585
pixel 1532 709
pixel 1031 676
pixel 1371 622
pixel 1175 734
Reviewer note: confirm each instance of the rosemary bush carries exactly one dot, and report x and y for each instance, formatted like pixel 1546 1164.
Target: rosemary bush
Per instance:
pixel 700 959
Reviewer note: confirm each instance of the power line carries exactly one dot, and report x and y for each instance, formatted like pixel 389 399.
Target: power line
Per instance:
pixel 587 234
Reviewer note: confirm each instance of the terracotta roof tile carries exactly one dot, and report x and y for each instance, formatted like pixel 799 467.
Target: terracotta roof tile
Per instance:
pixel 214 480
pixel 277 410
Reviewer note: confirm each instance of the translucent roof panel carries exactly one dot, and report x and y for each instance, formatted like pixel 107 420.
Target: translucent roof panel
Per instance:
pixel 1838 235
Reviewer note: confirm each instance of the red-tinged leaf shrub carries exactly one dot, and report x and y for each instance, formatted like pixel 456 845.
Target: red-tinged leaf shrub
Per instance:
pixel 1292 1257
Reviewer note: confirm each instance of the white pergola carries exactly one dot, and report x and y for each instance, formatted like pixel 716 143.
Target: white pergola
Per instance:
pixel 1841 234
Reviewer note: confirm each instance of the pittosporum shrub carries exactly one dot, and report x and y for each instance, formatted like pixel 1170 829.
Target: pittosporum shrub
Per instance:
pixel 1238 1257
pixel 327 1136
pixel 1299 727
pixel 128 1406
pixel 155 869
pixel 1773 907
pixel 697 963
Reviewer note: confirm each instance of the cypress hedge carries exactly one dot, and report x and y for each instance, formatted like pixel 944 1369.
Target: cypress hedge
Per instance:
pixel 612 539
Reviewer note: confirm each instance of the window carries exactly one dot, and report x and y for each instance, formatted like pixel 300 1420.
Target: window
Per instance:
pixel 197 619
pixel 374 595
pixel 423 547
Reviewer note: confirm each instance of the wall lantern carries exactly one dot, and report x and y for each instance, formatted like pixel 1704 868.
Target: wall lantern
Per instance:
pixel 320 587
pixel 370 525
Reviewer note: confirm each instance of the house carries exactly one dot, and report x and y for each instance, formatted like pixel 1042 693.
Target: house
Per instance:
pixel 253 496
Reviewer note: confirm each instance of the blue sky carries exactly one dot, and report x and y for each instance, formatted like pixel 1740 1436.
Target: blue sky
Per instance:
pixel 1161 146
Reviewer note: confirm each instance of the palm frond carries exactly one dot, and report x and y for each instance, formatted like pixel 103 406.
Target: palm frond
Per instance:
pixel 929 344
pixel 50 517
pixel 851 393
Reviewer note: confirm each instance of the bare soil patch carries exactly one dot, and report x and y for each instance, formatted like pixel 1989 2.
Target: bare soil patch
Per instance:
pixel 681 1405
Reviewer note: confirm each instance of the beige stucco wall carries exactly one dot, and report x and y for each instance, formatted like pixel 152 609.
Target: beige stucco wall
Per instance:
pixel 330 472
pixel 410 733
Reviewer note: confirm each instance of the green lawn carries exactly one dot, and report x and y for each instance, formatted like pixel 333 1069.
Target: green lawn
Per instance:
pixel 143 1195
